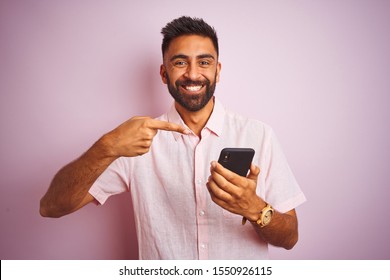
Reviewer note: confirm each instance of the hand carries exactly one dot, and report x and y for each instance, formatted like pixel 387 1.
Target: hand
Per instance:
pixel 235 193
pixel 134 137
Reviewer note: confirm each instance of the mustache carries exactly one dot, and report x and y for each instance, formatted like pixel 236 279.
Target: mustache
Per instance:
pixel 189 82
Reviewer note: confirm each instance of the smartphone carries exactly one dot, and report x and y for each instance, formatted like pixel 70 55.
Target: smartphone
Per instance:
pixel 237 160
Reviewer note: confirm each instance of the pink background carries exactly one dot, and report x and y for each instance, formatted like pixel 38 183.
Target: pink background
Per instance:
pixel 316 71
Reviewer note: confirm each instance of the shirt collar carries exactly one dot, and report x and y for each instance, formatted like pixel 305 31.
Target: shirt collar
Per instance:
pixel 214 124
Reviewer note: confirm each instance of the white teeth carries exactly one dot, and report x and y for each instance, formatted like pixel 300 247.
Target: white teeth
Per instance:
pixel 193 88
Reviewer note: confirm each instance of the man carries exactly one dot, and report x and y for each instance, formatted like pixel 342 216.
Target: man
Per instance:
pixel 186 205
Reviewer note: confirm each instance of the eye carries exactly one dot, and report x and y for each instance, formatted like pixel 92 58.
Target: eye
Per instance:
pixel 204 63
pixel 180 63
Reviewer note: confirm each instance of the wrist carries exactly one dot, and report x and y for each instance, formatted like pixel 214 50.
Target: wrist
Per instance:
pixel 262 218
pixel 253 213
pixel 104 148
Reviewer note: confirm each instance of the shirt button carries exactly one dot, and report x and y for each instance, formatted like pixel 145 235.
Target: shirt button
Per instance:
pixel 203 246
pixel 199 181
pixel 201 213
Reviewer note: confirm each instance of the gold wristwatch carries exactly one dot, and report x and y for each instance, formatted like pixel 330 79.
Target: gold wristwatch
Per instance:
pixel 265 216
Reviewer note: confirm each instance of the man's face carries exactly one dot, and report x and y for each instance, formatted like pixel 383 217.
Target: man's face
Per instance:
pixel 191 71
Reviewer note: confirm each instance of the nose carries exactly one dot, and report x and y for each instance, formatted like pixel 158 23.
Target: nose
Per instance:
pixel 192 72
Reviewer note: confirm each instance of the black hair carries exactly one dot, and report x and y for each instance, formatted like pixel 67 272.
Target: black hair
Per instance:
pixel 187 26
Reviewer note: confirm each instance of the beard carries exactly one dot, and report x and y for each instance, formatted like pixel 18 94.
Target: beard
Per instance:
pixel 192 102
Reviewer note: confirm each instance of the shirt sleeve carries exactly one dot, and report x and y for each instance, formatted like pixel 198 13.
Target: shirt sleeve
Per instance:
pixel 114 180
pixel 281 188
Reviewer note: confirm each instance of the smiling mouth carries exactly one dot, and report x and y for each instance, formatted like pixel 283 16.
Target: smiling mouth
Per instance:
pixel 193 88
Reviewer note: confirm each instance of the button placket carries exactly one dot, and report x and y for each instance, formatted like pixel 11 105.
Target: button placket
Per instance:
pixel 200 193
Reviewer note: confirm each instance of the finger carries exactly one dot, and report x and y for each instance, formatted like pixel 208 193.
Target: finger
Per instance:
pixel 222 182
pixel 140 118
pixel 163 125
pixel 253 172
pixel 219 202
pixel 216 192
pixel 221 198
pixel 230 176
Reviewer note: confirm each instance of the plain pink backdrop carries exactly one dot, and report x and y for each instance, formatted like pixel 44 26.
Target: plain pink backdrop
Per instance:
pixel 316 71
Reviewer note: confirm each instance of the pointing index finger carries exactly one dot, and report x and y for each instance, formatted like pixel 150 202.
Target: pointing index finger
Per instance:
pixel 167 126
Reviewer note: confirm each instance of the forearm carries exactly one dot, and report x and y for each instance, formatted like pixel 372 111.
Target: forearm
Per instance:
pixel 69 189
pixel 70 185
pixel 282 230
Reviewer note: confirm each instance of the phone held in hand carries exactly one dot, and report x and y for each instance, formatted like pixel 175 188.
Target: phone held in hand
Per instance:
pixel 237 160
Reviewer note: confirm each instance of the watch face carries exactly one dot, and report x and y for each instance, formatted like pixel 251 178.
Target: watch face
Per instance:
pixel 267 217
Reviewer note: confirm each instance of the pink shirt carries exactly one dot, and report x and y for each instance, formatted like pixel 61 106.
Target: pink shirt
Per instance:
pixel 174 215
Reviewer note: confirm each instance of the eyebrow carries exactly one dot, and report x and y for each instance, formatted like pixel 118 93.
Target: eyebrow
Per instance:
pixel 183 56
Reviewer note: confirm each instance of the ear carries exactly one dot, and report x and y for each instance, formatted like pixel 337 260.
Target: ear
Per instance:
pixel 219 66
pixel 163 74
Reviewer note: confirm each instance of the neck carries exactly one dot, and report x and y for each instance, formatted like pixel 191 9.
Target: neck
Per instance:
pixel 196 121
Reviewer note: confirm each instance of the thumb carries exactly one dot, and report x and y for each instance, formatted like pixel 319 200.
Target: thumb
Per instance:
pixel 254 172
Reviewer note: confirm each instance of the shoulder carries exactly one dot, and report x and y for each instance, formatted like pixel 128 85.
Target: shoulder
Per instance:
pixel 242 122
pixel 163 117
